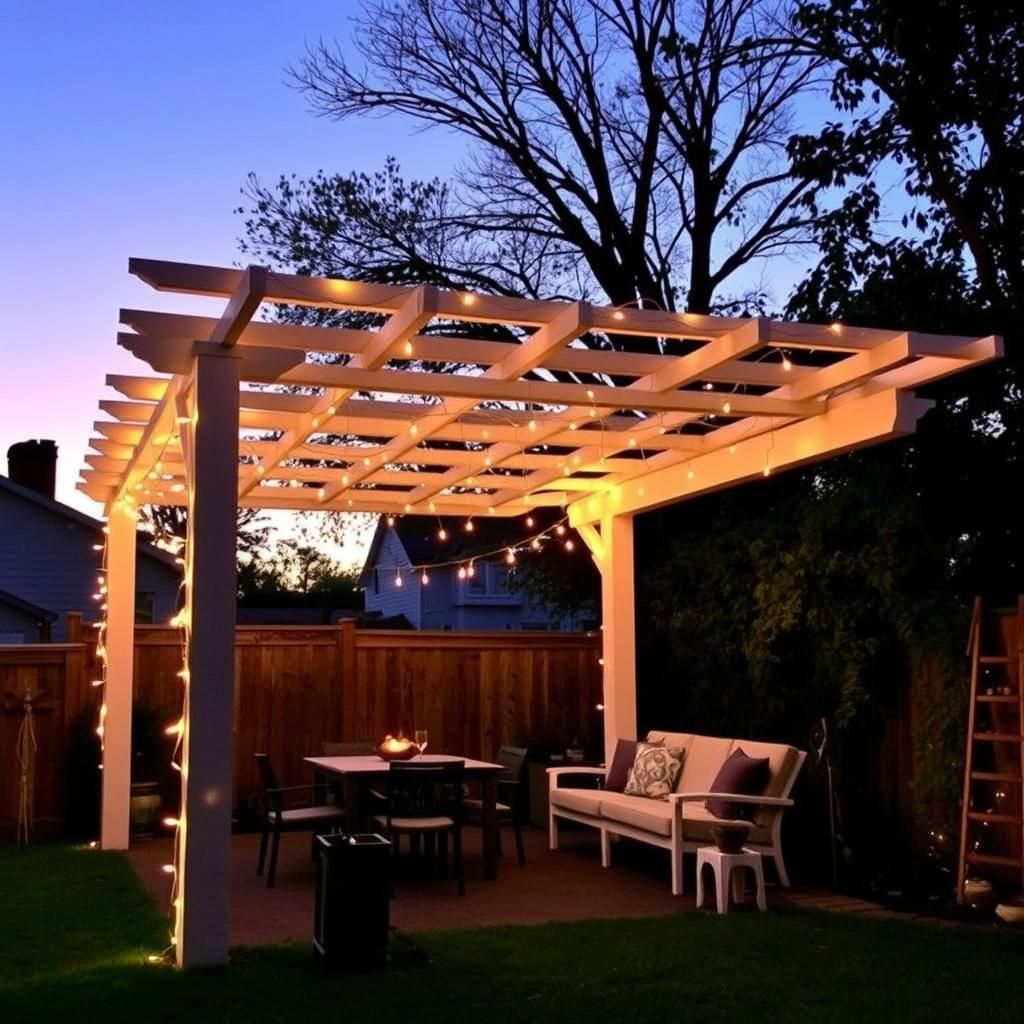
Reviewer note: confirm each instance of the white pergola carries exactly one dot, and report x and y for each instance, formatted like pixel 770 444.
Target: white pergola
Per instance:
pixel 548 410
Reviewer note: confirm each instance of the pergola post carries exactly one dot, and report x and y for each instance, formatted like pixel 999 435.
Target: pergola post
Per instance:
pixel 119 641
pixel 618 625
pixel 204 850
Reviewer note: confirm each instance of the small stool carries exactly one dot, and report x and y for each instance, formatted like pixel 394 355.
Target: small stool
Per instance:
pixel 722 864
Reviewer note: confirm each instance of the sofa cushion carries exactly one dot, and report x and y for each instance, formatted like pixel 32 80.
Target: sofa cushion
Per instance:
pixel 649 815
pixel 622 762
pixel 743 775
pixel 582 801
pixel 706 755
pixel 782 760
pixel 654 771
pixel 698 822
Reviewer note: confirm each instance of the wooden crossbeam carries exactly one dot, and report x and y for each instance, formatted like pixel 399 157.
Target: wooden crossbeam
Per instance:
pixel 417 309
pixel 571 323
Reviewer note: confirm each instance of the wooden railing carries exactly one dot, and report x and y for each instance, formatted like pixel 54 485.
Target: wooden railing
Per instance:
pixel 300 686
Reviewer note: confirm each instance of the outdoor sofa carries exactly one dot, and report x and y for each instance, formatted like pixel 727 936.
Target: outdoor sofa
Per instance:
pixel 681 823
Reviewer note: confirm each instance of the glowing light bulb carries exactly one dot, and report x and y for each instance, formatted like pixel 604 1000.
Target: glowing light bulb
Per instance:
pixel 470 571
pixel 424 578
pixel 529 522
pixel 632 442
pixel 331 410
pixel 572 426
pixel 560 529
pixel 618 315
pixel 442 534
pixel 408 348
pixel 398 579
pixel 167 869
pixel 469 526
pixel 535 544
pixel 367 463
pixel 408 507
pixel 431 506
pixel 344 479
pixel 462 572
pixel 836 327
pixel 569 545
pixel 175 729
pixel 490 510
pixel 727 407
pixel 690 474
pixel 413 429
pixel 787 363
pixel 467 299
pixel 767 471
pixel 510 557
pixel 732 449
pixel 391 520
pixel 170 822
pixel 532 425
pixel 590 394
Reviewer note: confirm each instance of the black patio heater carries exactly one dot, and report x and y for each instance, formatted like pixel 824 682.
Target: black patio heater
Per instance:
pixel 353 887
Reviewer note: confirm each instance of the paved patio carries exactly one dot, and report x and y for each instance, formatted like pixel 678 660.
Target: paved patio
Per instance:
pixel 568 884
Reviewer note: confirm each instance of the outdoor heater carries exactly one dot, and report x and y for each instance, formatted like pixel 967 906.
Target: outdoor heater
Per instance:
pixel 353 887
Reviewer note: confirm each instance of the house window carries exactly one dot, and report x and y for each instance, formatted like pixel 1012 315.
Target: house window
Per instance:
pixel 145 607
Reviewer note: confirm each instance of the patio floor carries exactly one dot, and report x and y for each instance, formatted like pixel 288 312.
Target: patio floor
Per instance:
pixel 567 884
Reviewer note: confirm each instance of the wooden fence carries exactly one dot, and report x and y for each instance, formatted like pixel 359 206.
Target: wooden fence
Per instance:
pixel 299 686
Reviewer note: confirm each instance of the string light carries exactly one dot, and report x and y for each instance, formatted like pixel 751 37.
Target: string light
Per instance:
pixel 529 522
pixel 510 556
pixel 424 579
pixel 391 520
pixel 569 544
pixel 469 527
pixel 727 407
pixel 398 578
pixel 442 534
pixel 787 363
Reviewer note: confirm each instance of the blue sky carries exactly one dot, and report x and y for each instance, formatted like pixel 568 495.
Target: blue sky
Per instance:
pixel 128 129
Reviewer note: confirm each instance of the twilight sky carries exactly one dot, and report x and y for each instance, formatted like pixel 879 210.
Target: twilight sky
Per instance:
pixel 127 130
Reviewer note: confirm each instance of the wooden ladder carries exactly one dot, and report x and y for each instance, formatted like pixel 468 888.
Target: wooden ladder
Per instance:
pixel 992 822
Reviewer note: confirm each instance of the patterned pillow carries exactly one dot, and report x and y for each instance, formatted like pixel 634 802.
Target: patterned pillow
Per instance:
pixel 654 772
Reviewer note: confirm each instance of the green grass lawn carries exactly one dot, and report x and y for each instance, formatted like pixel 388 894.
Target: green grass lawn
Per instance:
pixel 76 927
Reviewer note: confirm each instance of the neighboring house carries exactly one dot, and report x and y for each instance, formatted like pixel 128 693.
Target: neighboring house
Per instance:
pixel 48 565
pixel 489 600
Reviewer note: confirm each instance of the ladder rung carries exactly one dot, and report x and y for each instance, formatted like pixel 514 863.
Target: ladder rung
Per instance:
pixel 999 819
pixel 996 698
pixel 996 777
pixel 996 659
pixel 998 737
pixel 989 858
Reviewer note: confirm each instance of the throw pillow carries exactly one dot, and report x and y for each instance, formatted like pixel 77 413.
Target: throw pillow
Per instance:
pixel 622 762
pixel 654 772
pixel 744 776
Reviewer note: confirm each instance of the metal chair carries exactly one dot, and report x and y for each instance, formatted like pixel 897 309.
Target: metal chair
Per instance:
pixel 512 797
pixel 425 800
pixel 319 819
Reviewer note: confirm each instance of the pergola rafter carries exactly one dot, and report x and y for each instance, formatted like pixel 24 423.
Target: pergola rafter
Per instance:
pixel 414 415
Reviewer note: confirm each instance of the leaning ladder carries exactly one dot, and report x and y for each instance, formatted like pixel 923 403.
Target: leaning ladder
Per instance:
pixel 992 822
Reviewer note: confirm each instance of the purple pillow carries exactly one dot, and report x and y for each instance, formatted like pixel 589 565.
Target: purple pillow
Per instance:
pixel 622 761
pixel 744 776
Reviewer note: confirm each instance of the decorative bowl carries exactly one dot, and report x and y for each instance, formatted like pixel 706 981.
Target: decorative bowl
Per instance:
pixel 730 836
pixel 1012 912
pixel 979 894
pixel 396 749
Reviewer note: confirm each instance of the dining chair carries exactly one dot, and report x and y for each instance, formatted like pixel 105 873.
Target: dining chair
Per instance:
pixel 425 800
pixel 511 797
pixel 319 819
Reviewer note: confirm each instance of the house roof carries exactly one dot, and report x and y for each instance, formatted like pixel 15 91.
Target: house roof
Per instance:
pixel 74 516
pixel 21 605
pixel 420 537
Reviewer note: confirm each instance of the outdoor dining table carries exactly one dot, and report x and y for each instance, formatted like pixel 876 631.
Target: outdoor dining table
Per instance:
pixel 356 774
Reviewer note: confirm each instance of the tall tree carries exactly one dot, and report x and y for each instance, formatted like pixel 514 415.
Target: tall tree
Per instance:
pixel 941 97
pixel 634 148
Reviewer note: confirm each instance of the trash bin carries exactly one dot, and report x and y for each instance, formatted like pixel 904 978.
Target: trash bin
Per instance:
pixel 353 887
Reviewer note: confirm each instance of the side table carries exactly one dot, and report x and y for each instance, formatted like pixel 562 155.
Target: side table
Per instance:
pixel 723 864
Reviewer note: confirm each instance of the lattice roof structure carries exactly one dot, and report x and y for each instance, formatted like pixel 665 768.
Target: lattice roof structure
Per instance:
pixel 468 404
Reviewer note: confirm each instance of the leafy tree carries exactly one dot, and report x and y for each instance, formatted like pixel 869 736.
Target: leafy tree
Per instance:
pixel 252 531
pixel 941 98
pixel 634 149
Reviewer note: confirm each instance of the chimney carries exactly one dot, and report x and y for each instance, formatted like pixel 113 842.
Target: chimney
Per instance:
pixel 33 464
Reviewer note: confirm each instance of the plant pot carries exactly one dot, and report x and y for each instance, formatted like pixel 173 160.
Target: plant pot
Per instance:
pixel 731 836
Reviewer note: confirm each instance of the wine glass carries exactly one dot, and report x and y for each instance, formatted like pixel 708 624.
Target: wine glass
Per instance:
pixel 421 740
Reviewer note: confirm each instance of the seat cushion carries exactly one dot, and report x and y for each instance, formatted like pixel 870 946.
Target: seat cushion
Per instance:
pixel 415 824
pixel 698 822
pixel 582 801
pixel 654 771
pixel 320 813
pixel 639 811
pixel 743 775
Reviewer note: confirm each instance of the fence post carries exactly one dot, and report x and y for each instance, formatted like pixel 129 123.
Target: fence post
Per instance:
pixel 347 678
pixel 74 628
